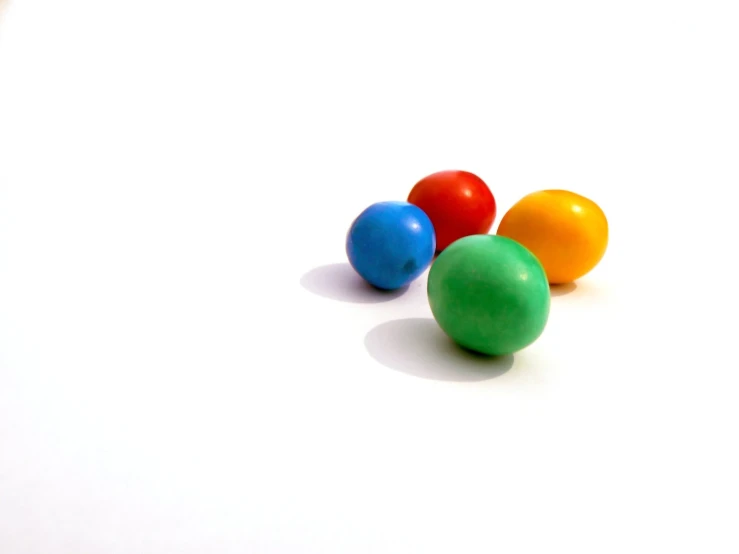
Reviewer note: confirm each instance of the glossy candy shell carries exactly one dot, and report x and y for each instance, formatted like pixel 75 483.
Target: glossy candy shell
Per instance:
pixel 458 203
pixel 565 230
pixel 489 294
pixel 390 244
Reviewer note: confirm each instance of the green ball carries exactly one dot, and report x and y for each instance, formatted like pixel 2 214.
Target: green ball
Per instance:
pixel 489 294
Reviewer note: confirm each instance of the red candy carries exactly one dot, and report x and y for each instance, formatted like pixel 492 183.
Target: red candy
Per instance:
pixel 458 203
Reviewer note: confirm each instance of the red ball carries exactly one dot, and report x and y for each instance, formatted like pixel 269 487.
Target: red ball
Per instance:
pixel 458 203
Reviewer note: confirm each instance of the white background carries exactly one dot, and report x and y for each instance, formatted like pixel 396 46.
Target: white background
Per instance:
pixel 180 372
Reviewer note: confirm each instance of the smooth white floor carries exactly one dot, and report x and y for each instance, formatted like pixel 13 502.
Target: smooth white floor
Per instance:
pixel 186 365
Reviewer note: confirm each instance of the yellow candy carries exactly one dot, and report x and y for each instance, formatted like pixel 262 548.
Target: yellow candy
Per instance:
pixel 566 231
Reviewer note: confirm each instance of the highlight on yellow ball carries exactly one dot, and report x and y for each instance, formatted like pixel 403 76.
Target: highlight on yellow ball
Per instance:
pixel 565 230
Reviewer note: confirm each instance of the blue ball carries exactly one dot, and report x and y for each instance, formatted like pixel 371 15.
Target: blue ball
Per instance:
pixel 390 244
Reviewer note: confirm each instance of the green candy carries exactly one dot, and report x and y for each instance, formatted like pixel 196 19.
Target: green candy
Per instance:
pixel 489 294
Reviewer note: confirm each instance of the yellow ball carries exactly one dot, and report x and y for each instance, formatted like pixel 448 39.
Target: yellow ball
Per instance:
pixel 566 231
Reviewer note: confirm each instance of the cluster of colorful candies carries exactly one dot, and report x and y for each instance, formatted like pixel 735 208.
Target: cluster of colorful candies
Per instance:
pixel 489 293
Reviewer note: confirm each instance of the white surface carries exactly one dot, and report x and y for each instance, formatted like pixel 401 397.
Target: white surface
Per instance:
pixel 170 171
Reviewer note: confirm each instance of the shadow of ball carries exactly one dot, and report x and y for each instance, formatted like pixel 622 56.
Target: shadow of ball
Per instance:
pixel 340 282
pixel 418 347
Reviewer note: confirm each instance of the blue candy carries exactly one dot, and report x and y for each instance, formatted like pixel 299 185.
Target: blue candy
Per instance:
pixel 390 244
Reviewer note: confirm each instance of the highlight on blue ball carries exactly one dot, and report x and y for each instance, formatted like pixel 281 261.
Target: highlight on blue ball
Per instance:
pixel 390 244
